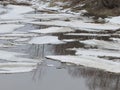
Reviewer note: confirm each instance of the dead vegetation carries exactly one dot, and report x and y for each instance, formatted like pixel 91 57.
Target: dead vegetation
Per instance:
pixel 98 8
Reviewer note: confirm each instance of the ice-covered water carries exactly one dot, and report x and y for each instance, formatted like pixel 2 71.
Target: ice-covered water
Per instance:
pixel 88 52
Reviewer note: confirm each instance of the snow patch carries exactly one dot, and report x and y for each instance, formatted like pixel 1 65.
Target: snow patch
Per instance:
pixel 53 30
pixel 89 61
pixel 8 28
pixel 78 24
pixel 102 44
pixel 17 11
pixel 17 67
pixel 96 52
pixel 46 40
pixel 114 20
pixel 86 34
pixel 50 16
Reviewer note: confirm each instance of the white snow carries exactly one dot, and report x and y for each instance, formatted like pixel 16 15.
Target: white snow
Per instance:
pixel 8 38
pixel 46 40
pixel 102 44
pixel 86 34
pixel 70 40
pixel 78 24
pixel 116 39
pixel 13 56
pixel 16 64
pixel 18 35
pixel 2 10
pixel 13 67
pixel 114 20
pixel 50 16
pixel 16 12
pixel 8 28
pixel 22 39
pixel 53 30
pixel 96 52
pixel 89 61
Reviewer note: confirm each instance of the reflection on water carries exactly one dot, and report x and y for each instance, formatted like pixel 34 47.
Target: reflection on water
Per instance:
pixel 96 80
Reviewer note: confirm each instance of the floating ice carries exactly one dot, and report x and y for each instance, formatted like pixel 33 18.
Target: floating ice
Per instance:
pixel 96 52
pixel 89 61
pixel 87 34
pixel 46 40
pixel 114 20
pixel 15 12
pixel 2 10
pixel 49 16
pixel 8 38
pixel 8 28
pixel 13 67
pixel 22 39
pixel 19 35
pixel 13 56
pixel 78 24
pixel 70 40
pixel 102 44
pixel 116 39
pixel 53 30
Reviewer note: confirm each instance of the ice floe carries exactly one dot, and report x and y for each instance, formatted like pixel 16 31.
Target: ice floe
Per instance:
pixel 89 61
pixel 8 28
pixel 116 39
pixel 53 30
pixel 78 24
pixel 70 40
pixel 15 67
pixel 114 20
pixel 102 44
pixel 17 11
pixel 96 52
pixel 13 62
pixel 18 35
pixel 2 10
pixel 22 39
pixel 86 34
pixel 46 40
pixel 13 56
pixel 8 38
pixel 50 16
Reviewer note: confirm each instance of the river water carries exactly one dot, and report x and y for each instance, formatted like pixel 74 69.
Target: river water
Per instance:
pixel 54 75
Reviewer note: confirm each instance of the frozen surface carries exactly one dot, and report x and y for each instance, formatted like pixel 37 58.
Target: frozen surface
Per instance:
pixel 18 12
pixel 102 44
pixel 78 24
pixel 46 40
pixel 13 56
pixel 96 52
pixel 114 20
pixel 22 39
pixel 8 28
pixel 86 34
pixel 53 30
pixel 50 16
pixel 2 10
pixel 115 39
pixel 13 63
pixel 89 61
pixel 18 35
pixel 13 67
